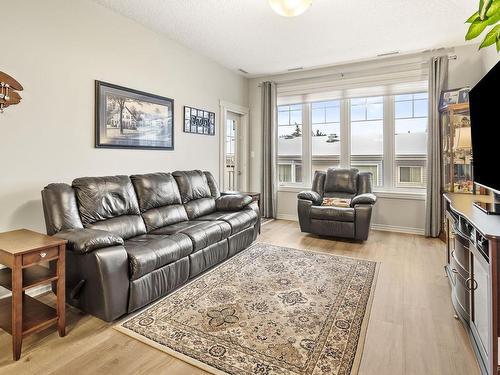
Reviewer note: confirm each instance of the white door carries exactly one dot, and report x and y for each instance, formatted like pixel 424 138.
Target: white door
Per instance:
pixel 230 157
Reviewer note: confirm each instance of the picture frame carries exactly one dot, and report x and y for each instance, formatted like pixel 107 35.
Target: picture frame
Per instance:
pixel 130 119
pixel 454 96
pixel 198 121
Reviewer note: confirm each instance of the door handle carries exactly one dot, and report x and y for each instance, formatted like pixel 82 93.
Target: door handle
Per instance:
pixel 470 286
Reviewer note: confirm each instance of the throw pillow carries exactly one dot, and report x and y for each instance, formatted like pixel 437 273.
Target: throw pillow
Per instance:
pixel 336 202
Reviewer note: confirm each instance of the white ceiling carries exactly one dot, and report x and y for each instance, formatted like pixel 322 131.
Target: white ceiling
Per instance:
pixel 247 34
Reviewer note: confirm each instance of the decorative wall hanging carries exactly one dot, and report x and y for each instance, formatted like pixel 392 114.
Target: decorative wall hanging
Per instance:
pixel 126 118
pixel 198 121
pixel 8 94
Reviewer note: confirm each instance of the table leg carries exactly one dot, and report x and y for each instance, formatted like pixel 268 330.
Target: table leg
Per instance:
pixel 61 291
pixel 17 308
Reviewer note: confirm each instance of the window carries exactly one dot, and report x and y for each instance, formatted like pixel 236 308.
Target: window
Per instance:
pixel 367 135
pixel 410 176
pixel 384 135
pixel 410 127
pixel 325 142
pixel 290 143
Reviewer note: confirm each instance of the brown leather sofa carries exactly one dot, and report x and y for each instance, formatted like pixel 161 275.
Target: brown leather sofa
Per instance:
pixel 132 240
pixel 351 222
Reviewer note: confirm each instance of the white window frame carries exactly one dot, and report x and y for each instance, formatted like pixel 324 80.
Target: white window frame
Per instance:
pixel 389 175
pixel 400 183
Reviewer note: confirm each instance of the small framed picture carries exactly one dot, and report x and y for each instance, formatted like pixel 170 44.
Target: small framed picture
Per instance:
pixel 454 96
pixel 198 121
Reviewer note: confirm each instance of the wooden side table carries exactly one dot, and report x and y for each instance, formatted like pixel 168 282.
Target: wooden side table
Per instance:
pixel 20 315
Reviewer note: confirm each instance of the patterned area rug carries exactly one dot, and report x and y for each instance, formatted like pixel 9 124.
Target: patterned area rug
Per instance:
pixel 269 310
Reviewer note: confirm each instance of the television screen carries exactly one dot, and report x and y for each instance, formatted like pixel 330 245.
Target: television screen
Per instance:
pixel 485 129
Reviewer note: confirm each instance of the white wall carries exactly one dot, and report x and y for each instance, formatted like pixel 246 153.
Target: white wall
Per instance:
pixel 490 57
pixel 56 49
pixel 400 213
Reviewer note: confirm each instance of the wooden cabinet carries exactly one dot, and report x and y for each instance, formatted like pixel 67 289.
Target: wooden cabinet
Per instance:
pixel 456 148
pixel 472 265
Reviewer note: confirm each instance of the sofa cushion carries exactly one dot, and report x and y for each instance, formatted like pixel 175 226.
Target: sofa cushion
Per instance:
pixel 159 217
pixel 238 221
pixel 175 228
pixel 332 213
pixel 60 208
pixel 199 207
pixel 202 233
pixel 340 180
pixel 155 190
pixel 212 184
pixel 101 198
pixel 147 253
pixel 126 226
pixel 192 185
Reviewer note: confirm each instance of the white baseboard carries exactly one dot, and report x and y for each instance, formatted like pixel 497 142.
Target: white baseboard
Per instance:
pixel 397 229
pixel 380 227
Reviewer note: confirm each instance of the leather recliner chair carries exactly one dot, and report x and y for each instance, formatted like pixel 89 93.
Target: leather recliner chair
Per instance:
pixel 347 222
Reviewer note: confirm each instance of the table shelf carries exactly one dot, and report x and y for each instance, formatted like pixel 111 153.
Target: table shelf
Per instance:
pixel 36 315
pixel 32 276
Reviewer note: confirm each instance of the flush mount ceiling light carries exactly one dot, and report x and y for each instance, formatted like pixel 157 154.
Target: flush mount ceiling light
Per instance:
pixel 290 8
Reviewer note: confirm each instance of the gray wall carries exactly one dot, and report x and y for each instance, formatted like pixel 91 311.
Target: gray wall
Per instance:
pixel 56 49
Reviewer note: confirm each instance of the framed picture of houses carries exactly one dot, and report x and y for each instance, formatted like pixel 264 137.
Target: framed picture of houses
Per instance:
pixel 199 121
pixel 126 118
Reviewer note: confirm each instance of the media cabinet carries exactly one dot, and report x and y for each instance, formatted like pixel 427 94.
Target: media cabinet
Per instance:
pixel 472 266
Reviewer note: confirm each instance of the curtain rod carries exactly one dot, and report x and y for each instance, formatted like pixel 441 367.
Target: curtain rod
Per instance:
pixel 450 57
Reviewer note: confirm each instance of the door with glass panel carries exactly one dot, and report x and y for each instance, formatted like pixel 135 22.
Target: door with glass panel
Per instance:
pixel 231 167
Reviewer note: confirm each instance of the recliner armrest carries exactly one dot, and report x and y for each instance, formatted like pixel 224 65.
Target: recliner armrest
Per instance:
pixel 310 195
pixel 233 202
pixel 366 198
pixel 87 240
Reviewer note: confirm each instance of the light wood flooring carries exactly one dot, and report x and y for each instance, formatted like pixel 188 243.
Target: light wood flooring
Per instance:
pixel 411 331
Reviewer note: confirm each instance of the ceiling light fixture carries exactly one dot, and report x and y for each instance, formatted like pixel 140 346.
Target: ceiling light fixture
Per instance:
pixel 290 8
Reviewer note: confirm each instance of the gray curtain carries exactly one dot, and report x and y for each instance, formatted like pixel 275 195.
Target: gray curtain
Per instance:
pixel 438 72
pixel 268 205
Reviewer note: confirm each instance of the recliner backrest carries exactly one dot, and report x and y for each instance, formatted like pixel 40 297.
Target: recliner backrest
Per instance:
pixel 340 180
pixel 195 191
pixel 318 184
pixel 159 200
pixel 109 203
pixel 365 182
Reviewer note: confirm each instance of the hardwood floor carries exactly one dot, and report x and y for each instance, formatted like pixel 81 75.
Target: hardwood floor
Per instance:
pixel 411 329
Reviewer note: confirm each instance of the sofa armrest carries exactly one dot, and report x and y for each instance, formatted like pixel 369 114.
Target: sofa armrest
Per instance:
pixel 304 213
pixel 310 195
pixel 362 219
pixel 366 198
pixel 235 202
pixel 87 240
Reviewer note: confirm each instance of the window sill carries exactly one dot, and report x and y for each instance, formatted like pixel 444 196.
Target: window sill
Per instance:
pixel 292 189
pixel 387 194
pixel 395 194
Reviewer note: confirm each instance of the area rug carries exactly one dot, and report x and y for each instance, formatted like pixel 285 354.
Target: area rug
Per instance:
pixel 269 310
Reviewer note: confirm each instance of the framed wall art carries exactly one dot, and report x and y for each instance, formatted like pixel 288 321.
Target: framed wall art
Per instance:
pixel 126 118
pixel 199 121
